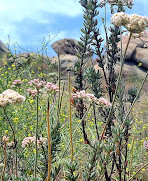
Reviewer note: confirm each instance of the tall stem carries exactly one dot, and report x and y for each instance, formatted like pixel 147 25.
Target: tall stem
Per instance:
pixel 95 121
pixel 59 77
pixel 15 142
pixel 70 122
pixel 117 86
pixel 4 163
pixel 16 162
pixel 132 155
pixel 139 171
pixel 49 144
pixel 36 135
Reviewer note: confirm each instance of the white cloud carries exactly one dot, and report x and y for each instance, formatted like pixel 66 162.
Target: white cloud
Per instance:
pixel 14 11
pixel 20 9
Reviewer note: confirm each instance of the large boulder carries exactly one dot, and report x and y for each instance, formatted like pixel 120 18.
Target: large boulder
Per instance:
pixel 141 56
pixel 130 50
pixel 129 70
pixel 134 42
pixel 66 46
pixel 3 51
pixel 137 50
pixel 67 61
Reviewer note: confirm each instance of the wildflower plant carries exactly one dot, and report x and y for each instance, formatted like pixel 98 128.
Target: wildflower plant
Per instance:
pixel 115 134
pixel 106 141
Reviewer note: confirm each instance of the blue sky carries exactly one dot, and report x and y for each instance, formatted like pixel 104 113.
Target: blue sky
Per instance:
pixel 27 22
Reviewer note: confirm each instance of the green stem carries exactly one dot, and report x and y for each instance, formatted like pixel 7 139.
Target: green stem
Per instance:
pixel 74 132
pixel 70 123
pixel 15 142
pixel 132 155
pixel 36 136
pixel 138 171
pixel 4 163
pixel 59 77
pixel 95 121
pixel 49 144
pixel 16 162
pixel 117 86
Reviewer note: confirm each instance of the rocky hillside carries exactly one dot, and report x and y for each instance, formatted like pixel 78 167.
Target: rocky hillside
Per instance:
pixel 68 48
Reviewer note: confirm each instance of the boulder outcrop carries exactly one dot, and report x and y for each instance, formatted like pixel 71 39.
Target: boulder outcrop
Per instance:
pixel 137 50
pixel 3 50
pixel 66 46
pixel 141 56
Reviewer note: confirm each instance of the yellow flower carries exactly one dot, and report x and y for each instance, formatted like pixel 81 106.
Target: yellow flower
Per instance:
pixel 6 131
pixel 31 101
pixel 129 145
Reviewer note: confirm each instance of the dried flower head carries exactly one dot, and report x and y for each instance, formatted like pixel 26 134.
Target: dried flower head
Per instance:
pixel 29 141
pixel 50 87
pixel 17 82
pixel 37 83
pixel 10 96
pixel 127 3
pixel 5 139
pixel 133 23
pixel 91 98
pixel 120 19
pixel 137 23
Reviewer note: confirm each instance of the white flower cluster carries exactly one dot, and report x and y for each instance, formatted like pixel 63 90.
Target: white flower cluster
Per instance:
pixel 51 87
pixel 137 23
pixel 5 139
pixel 10 96
pixel 17 82
pixel 28 141
pixel 127 3
pixel 120 19
pixel 91 98
pixel 133 23
pixel 39 85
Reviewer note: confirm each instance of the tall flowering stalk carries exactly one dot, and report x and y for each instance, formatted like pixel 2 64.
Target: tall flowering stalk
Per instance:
pixel 38 85
pixel 115 134
pixel 117 86
pixel 36 134
pixel 4 140
pixel 49 144
pixel 7 98
pixel 70 122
